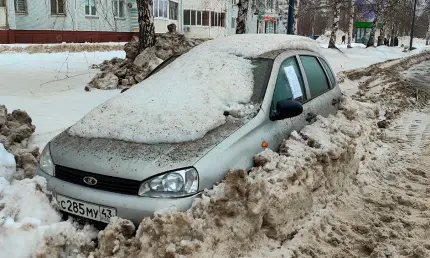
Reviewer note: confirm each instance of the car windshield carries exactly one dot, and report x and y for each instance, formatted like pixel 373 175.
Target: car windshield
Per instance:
pixel 262 70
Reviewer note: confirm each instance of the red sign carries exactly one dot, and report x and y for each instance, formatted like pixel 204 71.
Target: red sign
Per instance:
pixel 268 18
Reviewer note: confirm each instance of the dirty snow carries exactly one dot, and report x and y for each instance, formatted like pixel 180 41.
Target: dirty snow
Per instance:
pixel 340 188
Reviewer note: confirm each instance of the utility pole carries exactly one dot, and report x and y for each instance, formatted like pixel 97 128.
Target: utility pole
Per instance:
pixel 290 29
pixel 413 25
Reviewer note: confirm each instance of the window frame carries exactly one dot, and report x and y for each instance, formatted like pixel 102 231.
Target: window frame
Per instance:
pixel 88 3
pixel 160 10
pixel 25 7
pixel 58 13
pixel 317 57
pixel 118 3
pixel 215 19
pixel 176 12
pixel 305 86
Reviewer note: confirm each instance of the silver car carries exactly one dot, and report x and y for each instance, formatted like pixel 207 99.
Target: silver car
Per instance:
pixel 99 178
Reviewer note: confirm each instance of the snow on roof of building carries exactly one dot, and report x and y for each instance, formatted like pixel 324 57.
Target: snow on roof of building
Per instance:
pixel 186 99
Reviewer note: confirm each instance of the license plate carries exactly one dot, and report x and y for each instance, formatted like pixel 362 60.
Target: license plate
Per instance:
pixel 85 209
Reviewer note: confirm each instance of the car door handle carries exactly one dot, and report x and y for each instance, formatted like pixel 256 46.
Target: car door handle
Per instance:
pixel 310 117
pixel 335 101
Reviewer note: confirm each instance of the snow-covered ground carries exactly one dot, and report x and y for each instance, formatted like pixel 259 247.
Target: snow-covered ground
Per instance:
pixel 318 216
pixel 50 87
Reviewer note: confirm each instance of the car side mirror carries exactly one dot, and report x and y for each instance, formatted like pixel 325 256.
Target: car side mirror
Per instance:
pixel 287 109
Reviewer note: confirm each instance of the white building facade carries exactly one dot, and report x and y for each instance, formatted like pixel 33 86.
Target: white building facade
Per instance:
pixel 194 18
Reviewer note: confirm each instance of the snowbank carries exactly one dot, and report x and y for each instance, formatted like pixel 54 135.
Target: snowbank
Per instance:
pixel 7 165
pixel 187 100
pixel 29 221
pixel 64 47
pixel 244 210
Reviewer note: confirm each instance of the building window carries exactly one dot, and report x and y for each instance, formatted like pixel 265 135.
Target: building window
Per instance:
pixel 160 8
pixel 21 6
pixel 118 8
pixel 90 7
pixel 233 23
pixel 187 17
pixel 2 3
pixel 173 10
pixel 57 7
pixel 204 18
pixel 217 19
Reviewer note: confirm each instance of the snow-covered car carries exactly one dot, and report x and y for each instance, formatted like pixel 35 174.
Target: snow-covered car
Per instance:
pixel 162 142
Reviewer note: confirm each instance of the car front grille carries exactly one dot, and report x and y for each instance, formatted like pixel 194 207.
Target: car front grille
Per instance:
pixel 106 183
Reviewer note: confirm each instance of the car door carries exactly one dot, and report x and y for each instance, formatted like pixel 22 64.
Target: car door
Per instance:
pixel 290 85
pixel 321 101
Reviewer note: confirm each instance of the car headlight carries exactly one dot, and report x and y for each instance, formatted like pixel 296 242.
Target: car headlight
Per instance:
pixel 46 164
pixel 172 184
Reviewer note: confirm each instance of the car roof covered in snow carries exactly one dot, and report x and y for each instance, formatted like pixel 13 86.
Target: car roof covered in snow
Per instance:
pixel 254 45
pixel 187 99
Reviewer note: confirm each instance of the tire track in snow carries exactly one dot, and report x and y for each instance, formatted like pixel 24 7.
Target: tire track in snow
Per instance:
pixel 413 131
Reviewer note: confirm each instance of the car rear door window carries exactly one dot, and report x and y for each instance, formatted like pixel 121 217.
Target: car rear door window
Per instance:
pixel 317 79
pixel 329 72
pixel 289 84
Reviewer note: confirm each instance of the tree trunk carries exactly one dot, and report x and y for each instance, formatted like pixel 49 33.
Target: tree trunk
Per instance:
pixel 296 16
pixel 371 42
pixel 242 15
pixel 392 36
pixel 381 36
pixel 428 33
pixel 146 24
pixel 350 22
pixel 335 25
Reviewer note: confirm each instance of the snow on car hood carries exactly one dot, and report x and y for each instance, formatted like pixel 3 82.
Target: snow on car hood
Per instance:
pixel 186 99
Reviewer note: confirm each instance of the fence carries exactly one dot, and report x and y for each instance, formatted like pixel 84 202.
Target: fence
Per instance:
pixel 56 36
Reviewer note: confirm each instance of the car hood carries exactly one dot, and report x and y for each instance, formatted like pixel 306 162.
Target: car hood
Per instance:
pixel 134 161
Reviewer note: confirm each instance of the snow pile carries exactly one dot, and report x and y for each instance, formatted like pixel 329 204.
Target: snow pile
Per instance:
pixel 30 225
pixel 15 131
pixel 393 88
pixel 120 73
pixel 245 211
pixel 7 165
pixel 64 47
pixel 418 43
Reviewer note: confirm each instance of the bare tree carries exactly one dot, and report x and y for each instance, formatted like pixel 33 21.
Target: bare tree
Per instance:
pixel 146 24
pixel 296 16
pixel 428 30
pixel 242 15
pixel 335 24
pixel 350 22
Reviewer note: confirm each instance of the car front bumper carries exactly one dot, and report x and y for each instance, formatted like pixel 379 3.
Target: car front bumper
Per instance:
pixel 130 207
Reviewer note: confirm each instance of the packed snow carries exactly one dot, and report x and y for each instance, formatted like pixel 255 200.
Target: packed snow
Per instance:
pixel 300 202
pixel 7 167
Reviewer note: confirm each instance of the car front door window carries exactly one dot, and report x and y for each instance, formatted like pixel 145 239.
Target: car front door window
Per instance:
pixel 317 79
pixel 289 84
